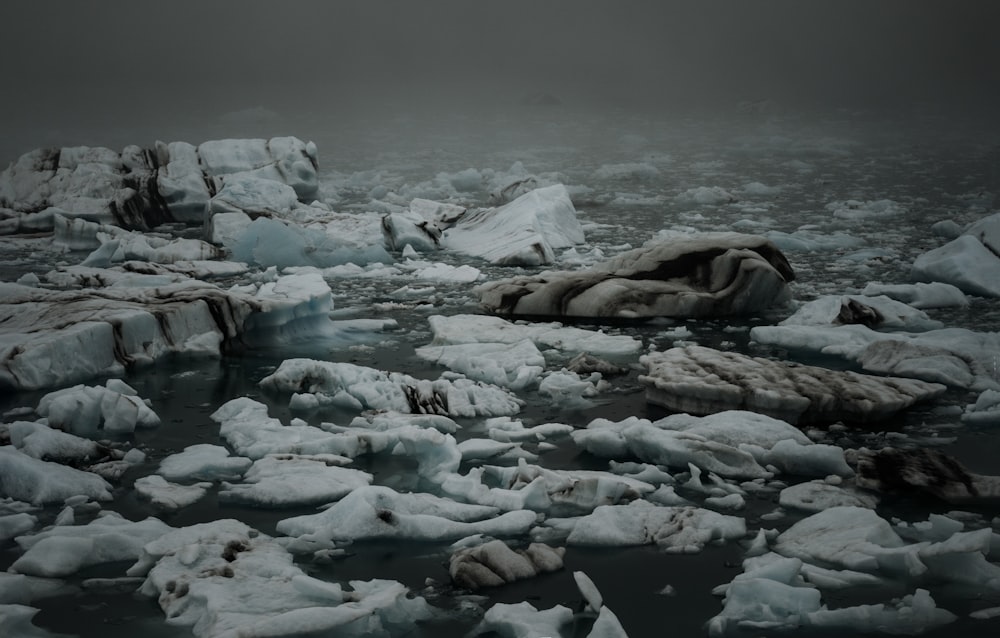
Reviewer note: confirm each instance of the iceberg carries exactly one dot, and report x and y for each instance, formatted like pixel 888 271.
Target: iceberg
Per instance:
pixel 704 275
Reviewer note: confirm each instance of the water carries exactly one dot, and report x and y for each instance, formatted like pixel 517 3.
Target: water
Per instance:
pixel 927 166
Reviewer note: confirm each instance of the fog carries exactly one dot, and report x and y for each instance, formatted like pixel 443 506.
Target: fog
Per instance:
pixel 97 72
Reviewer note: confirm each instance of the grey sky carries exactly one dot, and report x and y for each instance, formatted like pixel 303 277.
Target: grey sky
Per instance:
pixel 93 61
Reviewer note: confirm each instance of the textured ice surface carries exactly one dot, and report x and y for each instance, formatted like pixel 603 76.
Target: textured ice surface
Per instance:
pixel 345 384
pixel 65 549
pixel 28 479
pixel 464 329
pixel 114 408
pixel 495 563
pixel 224 579
pixel 704 275
pixel 203 462
pixel 526 231
pixel 702 380
pixel 289 480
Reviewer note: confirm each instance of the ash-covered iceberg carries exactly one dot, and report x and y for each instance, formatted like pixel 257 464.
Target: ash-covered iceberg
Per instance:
pixel 701 380
pixel 703 275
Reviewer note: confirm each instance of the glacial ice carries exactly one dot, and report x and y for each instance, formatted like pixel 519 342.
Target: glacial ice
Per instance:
pixel 42 482
pixel 495 563
pixel 702 275
pixel 293 480
pixel 527 231
pixel 364 388
pixel 224 579
pixel 466 329
pixel 65 549
pixel 52 337
pixel 169 496
pixel 113 408
pixel 203 462
pixel 378 512
pixel 702 380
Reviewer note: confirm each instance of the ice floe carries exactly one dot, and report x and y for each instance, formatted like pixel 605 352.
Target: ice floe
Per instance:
pixel 495 563
pixel 41 482
pixel 328 383
pixel 224 579
pixel 702 380
pixel 53 337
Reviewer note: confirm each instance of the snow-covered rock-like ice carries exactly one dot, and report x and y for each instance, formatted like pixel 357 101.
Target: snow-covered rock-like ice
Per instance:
pixel 702 275
pixel 526 232
pixel 702 380
pixel 523 620
pixel 818 495
pixel 495 563
pixel 40 441
pixel 324 382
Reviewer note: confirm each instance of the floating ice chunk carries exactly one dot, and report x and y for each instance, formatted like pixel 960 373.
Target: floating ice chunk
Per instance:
pixel 641 439
pixel 816 496
pixel 567 390
pixel 494 563
pixel 39 441
pixel 169 496
pixel 522 620
pixel 389 420
pixel 703 275
pixel 607 625
pixel 914 614
pixel 66 549
pixel 203 462
pixel 812 242
pixel 516 366
pixel 706 195
pixel 955 356
pixel 41 482
pixel 462 329
pixel 627 171
pixel 920 295
pixel 985 411
pixel 367 388
pixel 589 591
pixel 965 263
pixel 683 529
pixel 289 480
pixel 87 409
pixel 506 430
pixel 376 512
pixel 736 427
pixel 855 210
pixel 246 427
pixel 463 274
pixel 526 231
pixel 875 312
pixel 701 380
pixel 224 579
pixel 12 525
